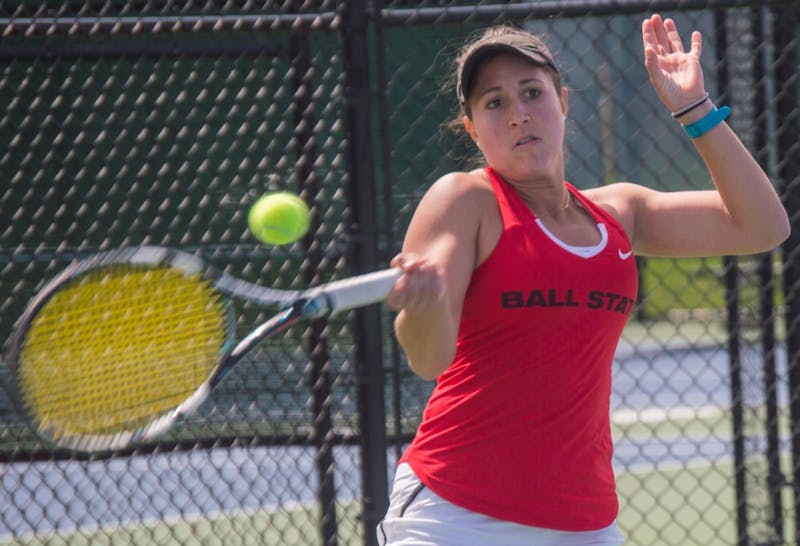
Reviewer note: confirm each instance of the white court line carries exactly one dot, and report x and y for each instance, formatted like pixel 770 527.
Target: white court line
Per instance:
pixel 696 463
pixel 659 415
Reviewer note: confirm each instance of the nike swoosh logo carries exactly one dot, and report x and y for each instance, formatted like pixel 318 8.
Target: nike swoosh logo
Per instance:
pixel 624 255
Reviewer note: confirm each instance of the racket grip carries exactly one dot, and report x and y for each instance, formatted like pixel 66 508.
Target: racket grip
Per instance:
pixel 356 291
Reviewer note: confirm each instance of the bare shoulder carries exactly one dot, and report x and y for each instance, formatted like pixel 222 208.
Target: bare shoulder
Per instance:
pixel 454 208
pixel 619 200
pixel 458 195
pixel 616 194
pixel 459 185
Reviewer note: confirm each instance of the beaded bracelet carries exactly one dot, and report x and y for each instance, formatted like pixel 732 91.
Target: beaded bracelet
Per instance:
pixel 687 109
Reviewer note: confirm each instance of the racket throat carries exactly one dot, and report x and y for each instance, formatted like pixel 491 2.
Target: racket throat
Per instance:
pixel 280 322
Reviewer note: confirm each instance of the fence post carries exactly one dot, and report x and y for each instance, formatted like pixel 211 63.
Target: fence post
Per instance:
pixel 731 283
pixel 767 312
pixel 365 256
pixel 786 21
pixel 318 373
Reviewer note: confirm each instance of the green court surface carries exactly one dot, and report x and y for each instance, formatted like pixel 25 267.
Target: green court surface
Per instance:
pixel 685 506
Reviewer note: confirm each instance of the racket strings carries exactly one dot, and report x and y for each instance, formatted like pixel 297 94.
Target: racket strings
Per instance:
pixel 118 348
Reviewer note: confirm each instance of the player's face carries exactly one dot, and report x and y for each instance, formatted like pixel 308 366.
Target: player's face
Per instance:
pixel 517 117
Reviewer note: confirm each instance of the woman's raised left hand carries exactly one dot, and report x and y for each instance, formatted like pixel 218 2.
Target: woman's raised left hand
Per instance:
pixel 676 74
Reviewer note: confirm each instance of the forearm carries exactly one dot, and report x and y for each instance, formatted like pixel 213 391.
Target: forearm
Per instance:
pixel 745 215
pixel 428 339
pixel 437 261
pixel 749 199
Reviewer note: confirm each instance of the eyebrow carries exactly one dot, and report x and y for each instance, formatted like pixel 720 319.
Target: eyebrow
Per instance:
pixel 521 83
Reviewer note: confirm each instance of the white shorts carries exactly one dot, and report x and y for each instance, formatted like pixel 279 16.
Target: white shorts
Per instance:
pixel 419 517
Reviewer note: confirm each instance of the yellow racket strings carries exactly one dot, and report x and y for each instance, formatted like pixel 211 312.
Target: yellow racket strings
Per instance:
pixel 119 347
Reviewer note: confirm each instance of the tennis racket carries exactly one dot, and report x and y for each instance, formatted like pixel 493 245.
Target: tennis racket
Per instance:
pixel 117 347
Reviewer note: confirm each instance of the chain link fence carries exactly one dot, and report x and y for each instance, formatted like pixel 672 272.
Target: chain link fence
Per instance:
pixel 130 123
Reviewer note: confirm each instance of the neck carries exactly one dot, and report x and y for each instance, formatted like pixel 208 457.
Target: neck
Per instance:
pixel 545 194
pixel 553 204
pixel 544 198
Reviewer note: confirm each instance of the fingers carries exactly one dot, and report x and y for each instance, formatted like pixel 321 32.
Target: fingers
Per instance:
pixel 672 36
pixel 654 36
pixel 651 47
pixel 654 42
pixel 661 37
pixel 419 288
pixel 697 44
pixel 648 38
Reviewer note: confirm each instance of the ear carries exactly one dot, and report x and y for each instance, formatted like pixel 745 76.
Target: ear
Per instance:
pixel 470 128
pixel 564 101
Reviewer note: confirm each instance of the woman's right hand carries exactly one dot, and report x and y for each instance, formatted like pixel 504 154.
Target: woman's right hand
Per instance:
pixel 421 286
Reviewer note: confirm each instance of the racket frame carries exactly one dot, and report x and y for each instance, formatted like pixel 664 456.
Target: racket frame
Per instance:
pixel 295 306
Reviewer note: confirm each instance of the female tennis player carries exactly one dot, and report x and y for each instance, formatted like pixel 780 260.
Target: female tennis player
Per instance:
pixel 516 287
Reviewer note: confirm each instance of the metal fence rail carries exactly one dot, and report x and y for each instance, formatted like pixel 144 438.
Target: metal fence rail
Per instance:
pixel 131 122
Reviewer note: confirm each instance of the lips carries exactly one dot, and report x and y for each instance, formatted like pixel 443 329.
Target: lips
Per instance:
pixel 526 140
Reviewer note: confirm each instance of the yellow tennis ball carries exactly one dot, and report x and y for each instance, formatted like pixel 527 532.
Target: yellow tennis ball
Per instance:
pixel 279 218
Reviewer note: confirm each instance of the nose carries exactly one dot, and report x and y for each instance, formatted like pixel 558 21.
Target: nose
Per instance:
pixel 518 114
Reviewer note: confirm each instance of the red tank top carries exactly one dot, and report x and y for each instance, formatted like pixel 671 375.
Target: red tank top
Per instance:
pixel 517 427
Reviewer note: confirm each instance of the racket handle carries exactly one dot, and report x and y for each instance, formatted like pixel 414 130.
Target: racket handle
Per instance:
pixel 353 292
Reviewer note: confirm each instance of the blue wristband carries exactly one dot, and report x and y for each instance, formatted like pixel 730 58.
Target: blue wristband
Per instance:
pixel 707 122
